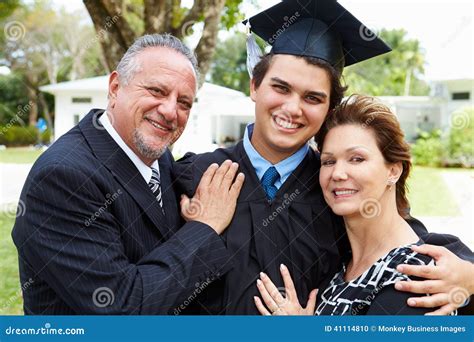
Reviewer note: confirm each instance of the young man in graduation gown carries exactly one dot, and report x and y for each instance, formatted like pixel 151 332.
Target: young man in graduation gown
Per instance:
pixel 281 216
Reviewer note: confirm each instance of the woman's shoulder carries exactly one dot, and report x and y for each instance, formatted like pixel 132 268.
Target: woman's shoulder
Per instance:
pixel 405 255
pixel 402 255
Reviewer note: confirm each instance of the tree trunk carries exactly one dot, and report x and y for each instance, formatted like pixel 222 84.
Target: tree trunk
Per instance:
pixel 31 82
pixel 206 46
pixel 112 29
pixel 159 16
pixel 46 112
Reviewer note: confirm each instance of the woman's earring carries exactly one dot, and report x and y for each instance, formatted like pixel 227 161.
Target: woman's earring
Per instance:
pixel 391 183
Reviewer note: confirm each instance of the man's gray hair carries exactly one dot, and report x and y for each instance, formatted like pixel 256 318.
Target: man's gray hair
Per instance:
pixel 127 65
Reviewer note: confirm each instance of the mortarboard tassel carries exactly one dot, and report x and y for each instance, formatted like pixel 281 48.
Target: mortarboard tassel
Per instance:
pixel 254 54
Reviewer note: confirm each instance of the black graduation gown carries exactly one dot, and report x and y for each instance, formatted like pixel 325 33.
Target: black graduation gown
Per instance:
pixel 297 228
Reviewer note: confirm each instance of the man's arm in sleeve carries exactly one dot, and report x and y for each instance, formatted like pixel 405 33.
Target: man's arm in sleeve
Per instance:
pixel 76 259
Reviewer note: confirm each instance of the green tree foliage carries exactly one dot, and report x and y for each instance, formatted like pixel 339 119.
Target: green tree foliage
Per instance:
pixel 229 68
pixel 428 149
pixel 456 148
pixel 396 73
pixel 40 46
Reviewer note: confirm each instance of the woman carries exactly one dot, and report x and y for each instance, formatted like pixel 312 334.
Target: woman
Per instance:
pixel 365 163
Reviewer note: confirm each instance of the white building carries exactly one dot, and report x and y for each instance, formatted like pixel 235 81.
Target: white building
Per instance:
pixel 219 114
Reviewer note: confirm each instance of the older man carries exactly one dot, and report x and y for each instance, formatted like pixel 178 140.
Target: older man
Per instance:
pixel 101 233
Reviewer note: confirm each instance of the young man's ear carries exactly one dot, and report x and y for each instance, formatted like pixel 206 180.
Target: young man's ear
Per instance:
pixel 114 85
pixel 253 90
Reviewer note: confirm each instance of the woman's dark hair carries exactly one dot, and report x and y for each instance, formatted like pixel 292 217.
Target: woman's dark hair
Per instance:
pixel 367 112
pixel 337 89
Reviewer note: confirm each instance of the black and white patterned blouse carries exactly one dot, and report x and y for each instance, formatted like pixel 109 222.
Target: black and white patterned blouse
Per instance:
pixel 373 292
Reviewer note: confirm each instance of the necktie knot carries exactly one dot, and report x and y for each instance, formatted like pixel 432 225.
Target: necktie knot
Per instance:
pixel 268 182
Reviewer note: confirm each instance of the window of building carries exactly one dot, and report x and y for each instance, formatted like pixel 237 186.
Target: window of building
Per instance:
pixel 461 96
pixel 81 100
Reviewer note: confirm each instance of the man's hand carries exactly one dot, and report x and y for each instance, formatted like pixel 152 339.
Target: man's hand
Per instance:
pixel 450 282
pixel 215 198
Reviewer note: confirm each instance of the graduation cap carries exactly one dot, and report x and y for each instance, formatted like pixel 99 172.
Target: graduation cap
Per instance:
pixel 317 28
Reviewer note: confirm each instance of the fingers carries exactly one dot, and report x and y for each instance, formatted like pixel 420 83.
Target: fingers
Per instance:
pixel 267 298
pixel 260 307
pixel 289 285
pixel 443 311
pixel 272 289
pixel 422 271
pixel 434 251
pixel 422 286
pixel 439 299
pixel 311 305
pixel 208 175
pixel 229 176
pixel 221 173
pixel 237 186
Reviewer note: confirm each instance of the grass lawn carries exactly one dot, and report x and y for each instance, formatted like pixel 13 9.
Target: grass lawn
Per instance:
pixel 20 155
pixel 10 294
pixel 429 195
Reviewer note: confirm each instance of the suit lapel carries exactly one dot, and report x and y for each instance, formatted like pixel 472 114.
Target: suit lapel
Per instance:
pixel 122 168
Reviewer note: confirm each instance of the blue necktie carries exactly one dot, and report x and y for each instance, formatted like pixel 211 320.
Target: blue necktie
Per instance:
pixel 268 181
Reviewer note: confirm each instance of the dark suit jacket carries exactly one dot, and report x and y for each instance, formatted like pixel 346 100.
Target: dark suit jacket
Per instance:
pixel 93 239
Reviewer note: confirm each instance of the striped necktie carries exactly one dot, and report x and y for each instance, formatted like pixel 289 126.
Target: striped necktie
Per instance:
pixel 155 186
